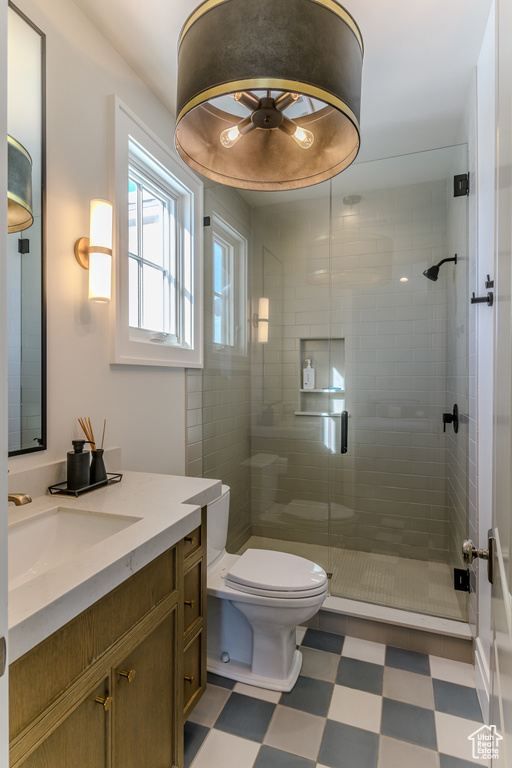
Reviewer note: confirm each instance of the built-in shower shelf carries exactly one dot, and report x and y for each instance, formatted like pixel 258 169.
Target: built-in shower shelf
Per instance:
pixel 326 391
pixel 315 413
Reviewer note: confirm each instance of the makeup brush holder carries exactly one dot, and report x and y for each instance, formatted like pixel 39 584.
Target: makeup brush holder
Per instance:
pixel 98 471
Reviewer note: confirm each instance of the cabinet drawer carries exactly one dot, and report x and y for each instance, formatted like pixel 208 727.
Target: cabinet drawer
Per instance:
pixel 193 672
pixel 192 592
pixel 192 542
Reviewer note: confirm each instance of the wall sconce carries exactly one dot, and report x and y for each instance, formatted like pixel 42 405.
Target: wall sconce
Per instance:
pixel 95 252
pixel 260 320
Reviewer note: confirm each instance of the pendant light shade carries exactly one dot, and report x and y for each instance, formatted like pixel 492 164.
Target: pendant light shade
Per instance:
pixel 269 92
pixel 19 187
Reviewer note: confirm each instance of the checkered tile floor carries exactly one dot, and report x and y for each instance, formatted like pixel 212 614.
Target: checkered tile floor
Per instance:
pixel 356 704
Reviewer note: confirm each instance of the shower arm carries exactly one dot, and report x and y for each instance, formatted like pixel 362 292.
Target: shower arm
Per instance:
pixel 453 258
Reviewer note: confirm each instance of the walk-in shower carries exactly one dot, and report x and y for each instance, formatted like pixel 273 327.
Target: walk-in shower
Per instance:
pixel 341 267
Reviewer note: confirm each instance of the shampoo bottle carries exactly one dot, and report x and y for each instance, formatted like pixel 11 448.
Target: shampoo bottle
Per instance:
pixel 308 376
pixel 78 466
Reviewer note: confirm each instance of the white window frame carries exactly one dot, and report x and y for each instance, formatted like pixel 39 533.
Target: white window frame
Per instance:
pixel 236 245
pixel 134 346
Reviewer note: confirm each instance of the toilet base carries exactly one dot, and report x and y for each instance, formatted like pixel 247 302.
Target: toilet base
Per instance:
pixel 241 672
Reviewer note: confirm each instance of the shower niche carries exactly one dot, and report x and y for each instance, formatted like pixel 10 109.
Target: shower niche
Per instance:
pixel 327 398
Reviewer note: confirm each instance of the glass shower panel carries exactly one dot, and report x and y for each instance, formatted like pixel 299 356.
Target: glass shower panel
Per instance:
pixel 292 432
pixel 398 497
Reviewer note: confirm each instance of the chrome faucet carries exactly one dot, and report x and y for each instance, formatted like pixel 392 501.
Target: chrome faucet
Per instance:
pixel 19 498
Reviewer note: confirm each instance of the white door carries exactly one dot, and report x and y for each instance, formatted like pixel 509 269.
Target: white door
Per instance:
pixel 4 734
pixel 501 611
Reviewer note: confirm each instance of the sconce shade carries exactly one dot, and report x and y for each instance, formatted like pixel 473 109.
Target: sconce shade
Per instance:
pixel 261 320
pixel 100 251
pixel 276 70
pixel 263 309
pixel 19 187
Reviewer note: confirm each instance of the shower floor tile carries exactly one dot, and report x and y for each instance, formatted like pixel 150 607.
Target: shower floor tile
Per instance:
pixel 322 724
pixel 400 582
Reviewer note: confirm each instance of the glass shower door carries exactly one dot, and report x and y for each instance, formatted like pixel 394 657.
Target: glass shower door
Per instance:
pixel 398 497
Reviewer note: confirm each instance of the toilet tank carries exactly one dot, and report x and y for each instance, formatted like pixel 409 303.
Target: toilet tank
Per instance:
pixel 217 518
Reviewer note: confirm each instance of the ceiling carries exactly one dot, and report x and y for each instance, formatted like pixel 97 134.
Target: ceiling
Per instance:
pixel 418 66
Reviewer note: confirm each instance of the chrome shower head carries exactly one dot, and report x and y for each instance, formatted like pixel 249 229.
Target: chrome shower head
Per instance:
pixel 433 272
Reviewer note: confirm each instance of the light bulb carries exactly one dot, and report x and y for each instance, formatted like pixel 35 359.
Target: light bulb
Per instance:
pixel 303 137
pixel 230 136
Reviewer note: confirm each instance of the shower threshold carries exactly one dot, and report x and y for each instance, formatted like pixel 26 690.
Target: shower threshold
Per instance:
pixel 385 588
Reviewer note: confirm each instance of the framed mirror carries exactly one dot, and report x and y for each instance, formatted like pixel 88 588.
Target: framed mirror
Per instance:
pixel 26 238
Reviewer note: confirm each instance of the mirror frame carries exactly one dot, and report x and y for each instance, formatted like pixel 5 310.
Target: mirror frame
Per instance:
pixel 43 440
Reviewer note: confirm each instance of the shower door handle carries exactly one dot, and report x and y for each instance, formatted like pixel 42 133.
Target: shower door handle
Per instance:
pixel 344 431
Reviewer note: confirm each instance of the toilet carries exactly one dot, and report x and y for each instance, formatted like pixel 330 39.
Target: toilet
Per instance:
pixel 255 602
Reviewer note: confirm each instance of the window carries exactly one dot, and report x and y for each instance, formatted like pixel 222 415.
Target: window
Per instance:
pixel 222 292
pixel 159 250
pixel 152 255
pixel 229 281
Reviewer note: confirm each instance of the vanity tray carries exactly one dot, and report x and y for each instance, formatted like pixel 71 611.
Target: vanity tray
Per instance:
pixel 63 490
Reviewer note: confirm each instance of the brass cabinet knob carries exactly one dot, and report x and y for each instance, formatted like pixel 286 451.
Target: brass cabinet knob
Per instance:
pixel 129 674
pixel 190 603
pixel 189 678
pixel 105 702
pixel 190 539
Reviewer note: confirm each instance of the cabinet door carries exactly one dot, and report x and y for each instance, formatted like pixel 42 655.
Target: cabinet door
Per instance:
pixel 194 672
pixel 81 740
pixel 143 710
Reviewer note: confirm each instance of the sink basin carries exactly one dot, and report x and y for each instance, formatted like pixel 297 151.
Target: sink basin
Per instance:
pixel 43 541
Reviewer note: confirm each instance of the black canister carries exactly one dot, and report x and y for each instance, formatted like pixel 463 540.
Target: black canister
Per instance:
pixel 78 466
pixel 98 471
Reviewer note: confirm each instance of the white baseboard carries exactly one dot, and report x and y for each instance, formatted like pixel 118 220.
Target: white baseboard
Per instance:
pixel 482 679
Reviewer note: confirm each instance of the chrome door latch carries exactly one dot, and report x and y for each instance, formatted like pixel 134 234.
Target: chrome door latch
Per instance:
pixel 470 553
pixel 3 656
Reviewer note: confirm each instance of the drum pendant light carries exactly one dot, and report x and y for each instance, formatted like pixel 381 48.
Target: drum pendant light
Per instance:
pixel 19 187
pixel 269 92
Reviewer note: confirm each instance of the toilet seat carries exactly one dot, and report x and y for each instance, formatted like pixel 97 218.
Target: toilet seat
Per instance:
pixel 276 574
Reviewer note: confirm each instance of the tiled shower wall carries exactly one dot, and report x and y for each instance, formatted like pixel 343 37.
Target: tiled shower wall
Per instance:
pixel 14 342
pixel 342 262
pixel 24 341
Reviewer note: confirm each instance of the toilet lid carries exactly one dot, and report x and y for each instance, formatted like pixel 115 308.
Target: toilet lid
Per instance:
pixel 260 570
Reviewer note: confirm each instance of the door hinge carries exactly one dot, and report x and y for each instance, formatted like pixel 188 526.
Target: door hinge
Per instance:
pixel 23 245
pixel 461 185
pixel 461 579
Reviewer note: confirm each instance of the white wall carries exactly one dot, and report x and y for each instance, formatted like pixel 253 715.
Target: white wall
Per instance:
pixel 4 721
pixel 483 326
pixel 144 407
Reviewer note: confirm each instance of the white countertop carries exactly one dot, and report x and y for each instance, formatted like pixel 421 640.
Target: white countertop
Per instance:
pixel 168 506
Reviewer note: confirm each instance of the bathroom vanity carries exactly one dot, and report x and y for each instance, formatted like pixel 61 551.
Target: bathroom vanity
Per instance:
pixel 111 682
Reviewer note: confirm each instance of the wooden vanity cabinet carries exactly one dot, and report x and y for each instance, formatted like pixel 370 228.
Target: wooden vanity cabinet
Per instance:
pixel 110 689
